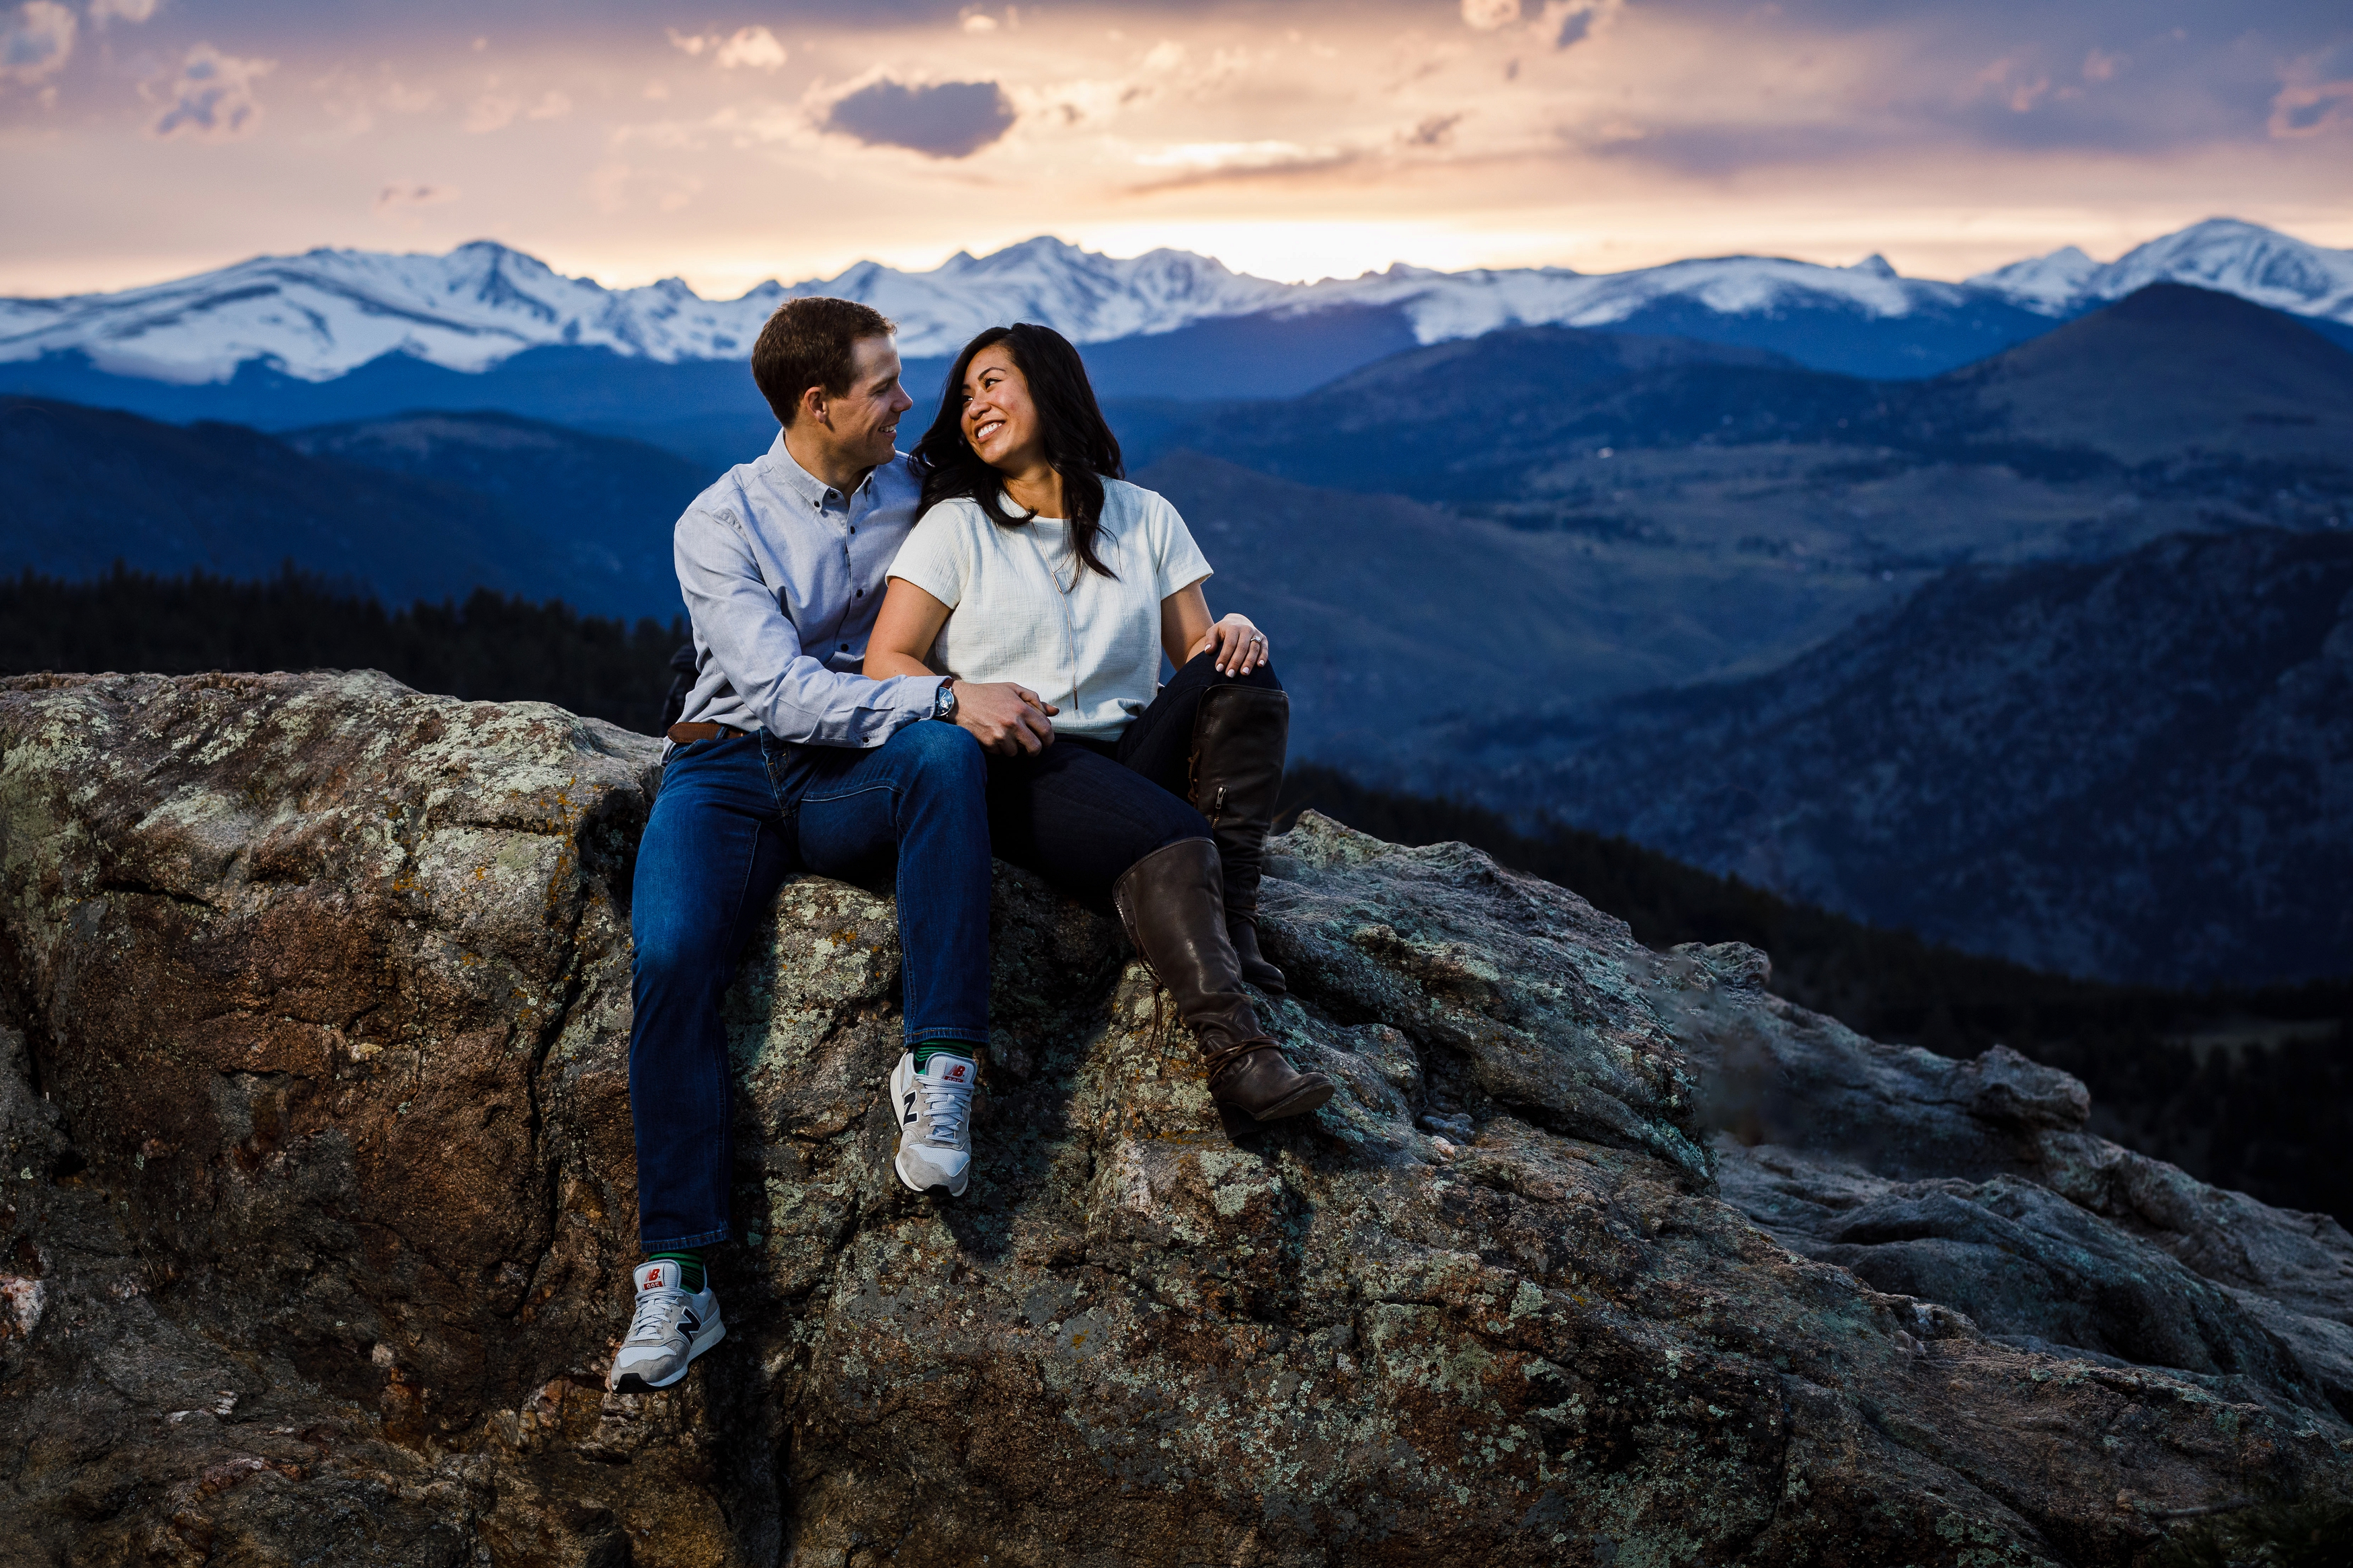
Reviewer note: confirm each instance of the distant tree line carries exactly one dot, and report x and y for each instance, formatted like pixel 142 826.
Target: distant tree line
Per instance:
pixel 2268 1109
pixel 490 647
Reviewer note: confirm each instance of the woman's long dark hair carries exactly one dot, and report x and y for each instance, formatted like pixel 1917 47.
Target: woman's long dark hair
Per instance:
pixel 1078 440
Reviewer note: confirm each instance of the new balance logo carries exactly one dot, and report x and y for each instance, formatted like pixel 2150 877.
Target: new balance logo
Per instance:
pixel 956 1074
pixel 687 1321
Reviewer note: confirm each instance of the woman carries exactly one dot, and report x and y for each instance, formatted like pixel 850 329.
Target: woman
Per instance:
pixel 1032 561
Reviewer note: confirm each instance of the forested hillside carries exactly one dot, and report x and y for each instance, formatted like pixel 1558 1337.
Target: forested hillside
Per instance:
pixel 415 506
pixel 487 646
pixel 2140 767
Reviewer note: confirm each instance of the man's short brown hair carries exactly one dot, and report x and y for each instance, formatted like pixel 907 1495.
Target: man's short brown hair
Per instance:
pixel 809 343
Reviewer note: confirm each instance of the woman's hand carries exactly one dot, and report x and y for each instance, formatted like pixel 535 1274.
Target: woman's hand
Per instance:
pixel 1241 646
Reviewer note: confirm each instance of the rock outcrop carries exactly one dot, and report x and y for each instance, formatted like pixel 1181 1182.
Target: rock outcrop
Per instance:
pixel 314 1008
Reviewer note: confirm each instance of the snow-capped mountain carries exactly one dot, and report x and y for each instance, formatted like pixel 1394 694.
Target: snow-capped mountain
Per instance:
pixel 2223 254
pixel 1088 296
pixel 1448 305
pixel 2049 284
pixel 320 315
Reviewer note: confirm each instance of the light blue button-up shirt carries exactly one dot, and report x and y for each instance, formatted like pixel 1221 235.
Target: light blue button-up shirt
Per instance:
pixel 782 575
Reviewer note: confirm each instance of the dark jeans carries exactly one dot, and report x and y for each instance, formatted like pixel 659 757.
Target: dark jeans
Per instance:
pixel 734 818
pixel 1082 812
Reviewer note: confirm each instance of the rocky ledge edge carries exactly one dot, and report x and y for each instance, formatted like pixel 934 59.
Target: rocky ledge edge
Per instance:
pixel 314 1021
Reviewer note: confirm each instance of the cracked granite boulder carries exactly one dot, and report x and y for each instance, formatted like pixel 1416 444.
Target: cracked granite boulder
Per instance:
pixel 1977 1184
pixel 313 1013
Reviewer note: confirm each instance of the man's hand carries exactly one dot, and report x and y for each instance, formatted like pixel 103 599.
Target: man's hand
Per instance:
pixel 1011 720
pixel 1242 646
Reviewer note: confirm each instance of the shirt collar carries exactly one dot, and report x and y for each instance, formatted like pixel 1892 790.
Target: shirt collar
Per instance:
pixel 788 472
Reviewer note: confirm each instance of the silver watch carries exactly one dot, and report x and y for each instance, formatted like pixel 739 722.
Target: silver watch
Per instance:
pixel 943 702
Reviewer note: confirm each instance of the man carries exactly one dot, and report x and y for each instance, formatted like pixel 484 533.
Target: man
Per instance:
pixel 786 759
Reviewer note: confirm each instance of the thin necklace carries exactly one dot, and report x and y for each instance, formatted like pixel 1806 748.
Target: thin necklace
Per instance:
pixel 1062 597
pixel 1052 571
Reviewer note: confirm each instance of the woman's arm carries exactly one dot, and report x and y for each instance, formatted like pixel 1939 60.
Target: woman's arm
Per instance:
pixel 1002 717
pixel 906 627
pixel 1186 632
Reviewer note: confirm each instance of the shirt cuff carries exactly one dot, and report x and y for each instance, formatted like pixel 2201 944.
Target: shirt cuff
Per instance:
pixel 914 698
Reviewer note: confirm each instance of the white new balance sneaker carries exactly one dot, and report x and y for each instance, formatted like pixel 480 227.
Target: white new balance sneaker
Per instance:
pixel 671 1327
pixel 934 1109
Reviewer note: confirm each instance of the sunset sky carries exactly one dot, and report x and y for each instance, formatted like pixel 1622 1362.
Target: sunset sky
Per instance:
pixel 727 143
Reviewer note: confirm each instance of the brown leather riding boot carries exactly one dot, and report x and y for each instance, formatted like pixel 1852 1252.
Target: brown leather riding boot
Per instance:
pixel 1172 902
pixel 1240 734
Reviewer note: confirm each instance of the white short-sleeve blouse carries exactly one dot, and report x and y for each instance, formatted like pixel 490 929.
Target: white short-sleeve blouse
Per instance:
pixel 1021 608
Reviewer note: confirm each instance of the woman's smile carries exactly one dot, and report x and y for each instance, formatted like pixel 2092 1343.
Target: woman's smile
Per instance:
pixel 993 431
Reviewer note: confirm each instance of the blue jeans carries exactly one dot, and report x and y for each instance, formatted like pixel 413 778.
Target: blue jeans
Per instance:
pixel 734 818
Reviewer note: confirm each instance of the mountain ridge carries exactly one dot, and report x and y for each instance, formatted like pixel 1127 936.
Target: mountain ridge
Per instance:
pixel 1607 512
pixel 2233 257
pixel 2170 370
pixel 2173 368
pixel 504 503
pixel 2137 769
pixel 329 311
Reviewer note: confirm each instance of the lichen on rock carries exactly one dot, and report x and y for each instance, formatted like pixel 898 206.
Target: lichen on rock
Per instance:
pixel 314 1022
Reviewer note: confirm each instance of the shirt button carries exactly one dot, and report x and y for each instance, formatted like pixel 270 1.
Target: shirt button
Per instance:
pixel 845 648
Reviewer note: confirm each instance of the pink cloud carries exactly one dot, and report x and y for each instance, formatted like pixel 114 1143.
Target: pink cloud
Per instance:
pixel 36 42
pixel 2308 108
pixel 210 96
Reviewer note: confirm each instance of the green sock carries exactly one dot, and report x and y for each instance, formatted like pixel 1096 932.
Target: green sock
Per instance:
pixel 930 1048
pixel 690 1268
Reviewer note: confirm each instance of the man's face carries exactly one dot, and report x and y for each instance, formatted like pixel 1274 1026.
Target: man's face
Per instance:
pixel 863 422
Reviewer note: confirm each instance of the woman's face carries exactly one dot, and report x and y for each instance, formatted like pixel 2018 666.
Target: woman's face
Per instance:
pixel 1000 422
